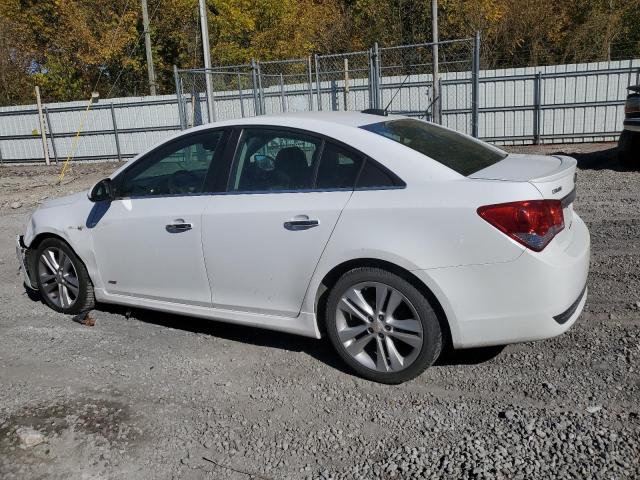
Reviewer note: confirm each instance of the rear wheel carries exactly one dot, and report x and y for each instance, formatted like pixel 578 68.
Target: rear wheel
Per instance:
pixel 62 278
pixel 382 326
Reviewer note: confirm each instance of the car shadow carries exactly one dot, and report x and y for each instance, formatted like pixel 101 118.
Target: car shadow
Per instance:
pixel 599 160
pixel 469 356
pixel 319 349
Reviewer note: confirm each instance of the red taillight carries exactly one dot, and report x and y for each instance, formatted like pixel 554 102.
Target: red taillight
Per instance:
pixel 533 223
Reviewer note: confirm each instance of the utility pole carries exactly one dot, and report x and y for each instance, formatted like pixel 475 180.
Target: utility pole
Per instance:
pixel 204 27
pixel 147 46
pixel 437 114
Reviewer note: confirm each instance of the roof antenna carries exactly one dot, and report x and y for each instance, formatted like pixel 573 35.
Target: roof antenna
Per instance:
pixel 429 107
pixel 384 112
pixel 386 109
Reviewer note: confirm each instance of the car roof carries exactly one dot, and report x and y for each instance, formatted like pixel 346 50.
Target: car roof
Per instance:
pixel 302 119
pixel 343 126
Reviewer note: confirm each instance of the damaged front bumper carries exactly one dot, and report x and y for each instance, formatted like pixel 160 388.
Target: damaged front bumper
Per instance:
pixel 21 253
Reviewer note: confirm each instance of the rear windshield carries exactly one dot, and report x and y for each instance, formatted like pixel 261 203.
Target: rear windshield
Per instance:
pixel 450 148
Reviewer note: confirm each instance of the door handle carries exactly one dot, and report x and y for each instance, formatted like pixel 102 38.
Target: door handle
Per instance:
pixel 300 224
pixel 179 225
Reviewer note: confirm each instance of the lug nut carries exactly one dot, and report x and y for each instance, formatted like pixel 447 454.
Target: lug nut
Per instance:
pixel 370 330
pixel 381 317
pixel 387 328
pixel 381 335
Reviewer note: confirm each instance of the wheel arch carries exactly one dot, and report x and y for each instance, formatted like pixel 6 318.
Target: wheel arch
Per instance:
pixel 40 237
pixel 35 244
pixel 331 277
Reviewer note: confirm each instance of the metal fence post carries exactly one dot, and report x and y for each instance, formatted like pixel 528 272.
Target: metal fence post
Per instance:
pixel 371 101
pixel 537 100
pixel 475 90
pixel 51 135
pixel 282 101
pixel 256 91
pixel 346 84
pixel 176 78
pixel 196 109
pixel 263 103
pixel 211 101
pixel 318 83
pixel 377 97
pixel 115 131
pixel 310 83
pixel 240 95
pixel 334 95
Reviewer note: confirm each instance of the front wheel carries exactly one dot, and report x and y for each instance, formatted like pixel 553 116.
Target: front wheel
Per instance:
pixel 62 278
pixel 382 326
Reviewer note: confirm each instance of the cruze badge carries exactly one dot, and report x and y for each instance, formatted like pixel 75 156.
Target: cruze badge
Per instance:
pixel 556 190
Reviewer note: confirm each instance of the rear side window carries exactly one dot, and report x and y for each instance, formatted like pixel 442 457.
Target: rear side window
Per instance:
pixel 456 151
pixel 375 176
pixel 338 167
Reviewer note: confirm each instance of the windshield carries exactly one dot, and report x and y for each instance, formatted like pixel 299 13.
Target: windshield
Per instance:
pixel 460 153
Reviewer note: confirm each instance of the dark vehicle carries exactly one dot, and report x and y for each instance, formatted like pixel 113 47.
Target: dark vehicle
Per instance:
pixel 629 142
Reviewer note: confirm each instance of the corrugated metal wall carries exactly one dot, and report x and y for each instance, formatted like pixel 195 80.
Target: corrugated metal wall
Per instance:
pixel 560 103
pixel 141 122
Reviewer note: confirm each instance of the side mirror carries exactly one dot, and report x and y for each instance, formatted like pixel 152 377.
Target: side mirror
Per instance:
pixel 102 191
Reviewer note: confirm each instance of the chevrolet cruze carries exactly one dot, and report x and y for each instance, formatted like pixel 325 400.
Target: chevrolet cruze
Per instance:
pixel 393 236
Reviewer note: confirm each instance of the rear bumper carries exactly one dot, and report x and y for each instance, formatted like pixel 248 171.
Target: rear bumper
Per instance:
pixel 565 316
pixel 537 296
pixel 21 253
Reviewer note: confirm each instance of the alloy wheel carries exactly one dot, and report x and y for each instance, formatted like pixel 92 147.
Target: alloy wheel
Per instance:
pixel 379 327
pixel 58 277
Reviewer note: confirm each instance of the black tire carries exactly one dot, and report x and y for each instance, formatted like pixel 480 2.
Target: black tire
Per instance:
pixel 84 300
pixel 629 149
pixel 431 332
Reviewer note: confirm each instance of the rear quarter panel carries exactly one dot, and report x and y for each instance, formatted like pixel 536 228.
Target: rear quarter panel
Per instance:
pixel 427 225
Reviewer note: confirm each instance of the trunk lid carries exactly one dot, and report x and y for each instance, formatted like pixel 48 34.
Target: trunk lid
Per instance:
pixel 552 175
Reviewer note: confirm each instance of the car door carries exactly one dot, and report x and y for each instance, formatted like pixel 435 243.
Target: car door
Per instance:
pixel 263 239
pixel 148 242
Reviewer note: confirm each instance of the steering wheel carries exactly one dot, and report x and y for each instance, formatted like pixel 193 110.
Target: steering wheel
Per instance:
pixel 183 181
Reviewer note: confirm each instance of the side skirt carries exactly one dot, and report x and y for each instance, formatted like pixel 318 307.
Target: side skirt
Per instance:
pixel 304 324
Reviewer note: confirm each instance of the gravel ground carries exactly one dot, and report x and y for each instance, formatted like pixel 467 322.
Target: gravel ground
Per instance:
pixel 147 395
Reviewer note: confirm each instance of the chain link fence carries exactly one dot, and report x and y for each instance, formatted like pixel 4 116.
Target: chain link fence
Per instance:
pixel 541 104
pixel 399 78
pixel 406 82
pixel 285 85
pixel 233 90
pixel 344 81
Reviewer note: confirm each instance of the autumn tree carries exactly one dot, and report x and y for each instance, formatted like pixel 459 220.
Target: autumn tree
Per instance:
pixel 71 47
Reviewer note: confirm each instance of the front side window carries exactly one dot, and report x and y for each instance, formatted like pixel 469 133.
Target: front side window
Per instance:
pixel 273 161
pixel 456 151
pixel 180 168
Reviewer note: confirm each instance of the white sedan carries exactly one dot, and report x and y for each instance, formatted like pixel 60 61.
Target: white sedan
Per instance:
pixel 394 236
